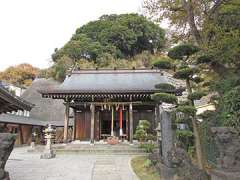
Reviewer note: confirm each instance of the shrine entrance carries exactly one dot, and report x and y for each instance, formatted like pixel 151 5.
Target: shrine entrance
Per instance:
pixel 110 123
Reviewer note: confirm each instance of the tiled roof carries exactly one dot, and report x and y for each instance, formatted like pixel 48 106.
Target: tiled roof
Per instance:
pixel 10 102
pixel 15 119
pixel 111 81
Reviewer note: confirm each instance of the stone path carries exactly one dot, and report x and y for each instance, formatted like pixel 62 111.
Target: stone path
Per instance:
pixel 28 166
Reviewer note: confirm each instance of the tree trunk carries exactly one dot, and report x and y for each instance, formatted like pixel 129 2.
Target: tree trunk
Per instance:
pixel 187 5
pixel 195 131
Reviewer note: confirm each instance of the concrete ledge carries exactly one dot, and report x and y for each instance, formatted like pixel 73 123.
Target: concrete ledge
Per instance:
pixel 223 175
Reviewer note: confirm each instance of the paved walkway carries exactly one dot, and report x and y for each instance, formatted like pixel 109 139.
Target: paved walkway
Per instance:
pixel 28 166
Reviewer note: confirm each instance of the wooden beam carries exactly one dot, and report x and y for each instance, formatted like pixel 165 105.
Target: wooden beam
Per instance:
pixel 102 103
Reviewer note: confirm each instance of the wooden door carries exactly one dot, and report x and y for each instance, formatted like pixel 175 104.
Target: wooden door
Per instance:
pixel 83 125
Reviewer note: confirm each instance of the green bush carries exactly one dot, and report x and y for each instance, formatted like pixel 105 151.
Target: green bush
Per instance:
pixel 231 108
pixel 147 163
pixel 185 138
pixel 163 63
pixel 144 124
pixel 204 59
pixel 181 51
pixel 141 130
pixel 184 73
pixel 188 110
pixel 184 134
pixel 140 134
pixel 148 147
pixel 196 95
pixel 165 87
pixel 164 97
pixel 197 79
pixel 151 137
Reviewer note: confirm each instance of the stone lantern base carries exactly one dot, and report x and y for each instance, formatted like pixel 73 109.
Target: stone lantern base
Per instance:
pixel 48 154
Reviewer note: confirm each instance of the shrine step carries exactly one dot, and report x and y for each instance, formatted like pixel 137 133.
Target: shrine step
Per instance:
pixel 99 149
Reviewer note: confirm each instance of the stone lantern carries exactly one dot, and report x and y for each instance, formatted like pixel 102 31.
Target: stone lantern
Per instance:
pixel 49 135
pixel 34 135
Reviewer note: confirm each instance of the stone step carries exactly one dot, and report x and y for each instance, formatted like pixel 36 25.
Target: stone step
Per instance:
pixel 100 151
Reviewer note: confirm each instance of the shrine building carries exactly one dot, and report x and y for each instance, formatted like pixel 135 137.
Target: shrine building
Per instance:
pixel 109 102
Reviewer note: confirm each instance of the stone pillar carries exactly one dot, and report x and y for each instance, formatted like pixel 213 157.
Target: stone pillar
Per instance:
pixel 158 128
pixel 66 122
pixel 92 109
pixel 166 133
pixel 131 123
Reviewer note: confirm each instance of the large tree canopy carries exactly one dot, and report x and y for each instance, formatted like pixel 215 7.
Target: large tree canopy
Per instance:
pixel 212 25
pixel 122 36
pixel 22 74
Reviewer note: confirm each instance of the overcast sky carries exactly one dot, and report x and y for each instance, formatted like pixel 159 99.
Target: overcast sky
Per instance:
pixel 30 30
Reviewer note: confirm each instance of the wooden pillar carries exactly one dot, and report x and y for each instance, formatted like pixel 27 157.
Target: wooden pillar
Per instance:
pixel 66 122
pixel 120 119
pixel 20 134
pixel 131 123
pixel 92 109
pixel 97 124
pixel 74 127
pixel 112 123
pixel 127 124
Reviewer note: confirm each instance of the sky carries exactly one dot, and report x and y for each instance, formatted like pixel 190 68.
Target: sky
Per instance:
pixel 30 30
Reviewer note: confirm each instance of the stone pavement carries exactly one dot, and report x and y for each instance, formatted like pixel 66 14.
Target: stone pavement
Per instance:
pixel 28 166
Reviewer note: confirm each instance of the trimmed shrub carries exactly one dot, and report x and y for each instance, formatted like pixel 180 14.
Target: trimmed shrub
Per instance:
pixel 204 59
pixel 164 97
pixel 165 87
pixel 181 51
pixel 148 147
pixel 141 130
pixel 184 134
pixel 197 79
pixel 163 63
pixel 196 95
pixel 189 110
pixel 184 73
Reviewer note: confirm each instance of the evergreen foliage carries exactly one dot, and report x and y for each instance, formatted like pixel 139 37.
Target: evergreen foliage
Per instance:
pixel 182 51
pixel 122 36
pixel 197 95
pixel 165 87
pixel 189 110
pixel 163 63
pixel 141 132
pixel 184 73
pixel 164 97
